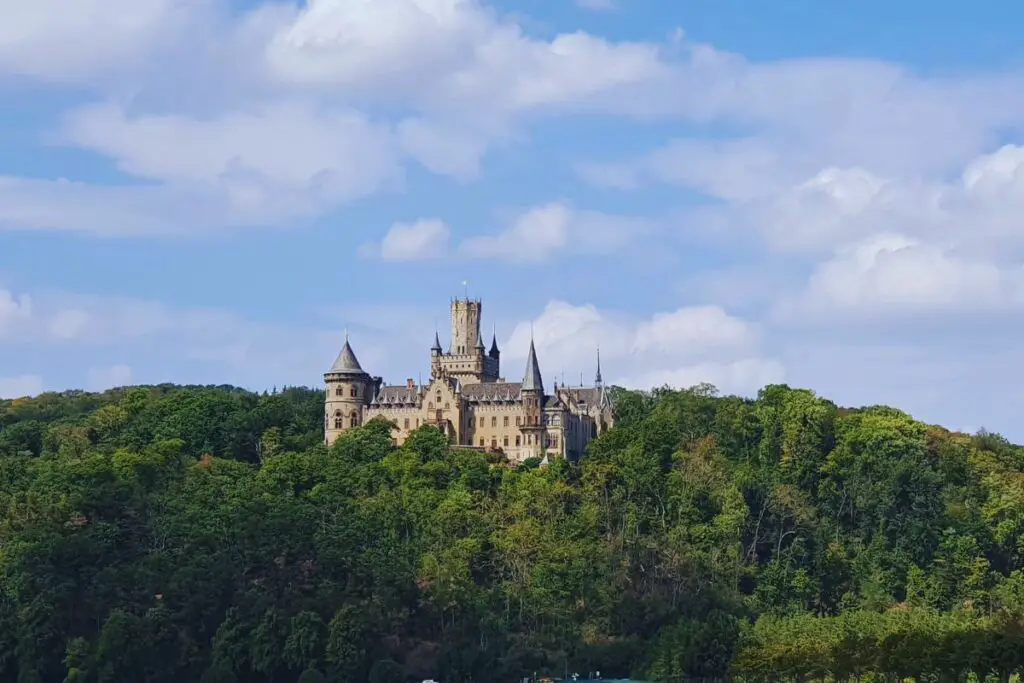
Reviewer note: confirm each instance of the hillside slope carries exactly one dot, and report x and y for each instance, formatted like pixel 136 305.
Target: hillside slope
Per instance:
pixel 205 534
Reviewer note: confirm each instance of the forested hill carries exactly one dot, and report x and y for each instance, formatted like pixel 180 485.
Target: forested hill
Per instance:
pixel 180 534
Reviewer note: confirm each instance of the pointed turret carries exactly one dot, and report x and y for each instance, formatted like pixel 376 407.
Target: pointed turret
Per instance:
pixel 598 381
pixel 494 352
pixel 532 380
pixel 346 363
pixel 436 348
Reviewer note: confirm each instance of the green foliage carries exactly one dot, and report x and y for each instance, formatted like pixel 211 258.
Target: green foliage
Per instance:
pixel 167 533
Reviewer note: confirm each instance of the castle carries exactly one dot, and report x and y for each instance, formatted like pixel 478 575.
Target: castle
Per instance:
pixel 469 400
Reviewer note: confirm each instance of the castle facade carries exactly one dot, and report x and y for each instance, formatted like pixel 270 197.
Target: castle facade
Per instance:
pixel 468 399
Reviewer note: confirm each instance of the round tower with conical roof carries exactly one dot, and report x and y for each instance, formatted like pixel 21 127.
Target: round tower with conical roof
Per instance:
pixel 349 390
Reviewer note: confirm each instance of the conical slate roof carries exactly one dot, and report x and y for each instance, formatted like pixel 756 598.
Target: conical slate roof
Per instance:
pixel 437 343
pixel 346 362
pixel 494 346
pixel 532 380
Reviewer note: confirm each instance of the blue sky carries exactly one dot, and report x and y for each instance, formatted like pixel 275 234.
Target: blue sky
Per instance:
pixel 826 194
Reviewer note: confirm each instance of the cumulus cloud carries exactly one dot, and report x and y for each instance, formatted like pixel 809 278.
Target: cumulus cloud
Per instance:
pixel 69 42
pixel 445 54
pixel 423 240
pixel 894 274
pixel 543 231
pixel 681 348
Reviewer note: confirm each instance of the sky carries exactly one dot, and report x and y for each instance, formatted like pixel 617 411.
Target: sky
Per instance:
pixel 827 195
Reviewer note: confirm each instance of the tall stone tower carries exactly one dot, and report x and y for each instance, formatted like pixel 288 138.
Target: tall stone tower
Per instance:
pixel 533 428
pixel 466 314
pixel 349 390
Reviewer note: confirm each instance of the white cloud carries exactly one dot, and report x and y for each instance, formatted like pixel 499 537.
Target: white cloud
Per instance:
pixel 891 273
pixel 743 376
pixel 683 348
pixel 445 53
pixel 62 41
pixel 108 377
pixel 425 239
pixel 539 233
pixel 22 385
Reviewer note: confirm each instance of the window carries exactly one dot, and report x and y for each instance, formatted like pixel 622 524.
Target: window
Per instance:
pixel 556 419
pixel 354 419
pixel 494 443
pixel 494 421
pixel 352 392
pixel 417 422
pixel 406 423
pixel 339 391
pixel 519 440
pixel 447 406
pixel 554 441
pixel 519 421
pixel 505 420
pixel 505 442
pixel 529 439
pixel 481 441
pixel 338 422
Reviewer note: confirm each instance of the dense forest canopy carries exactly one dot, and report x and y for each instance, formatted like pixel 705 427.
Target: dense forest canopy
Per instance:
pixel 169 534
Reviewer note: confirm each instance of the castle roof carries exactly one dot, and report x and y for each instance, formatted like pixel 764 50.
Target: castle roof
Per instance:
pixel 398 394
pixel 346 363
pixel 483 392
pixel 494 346
pixel 532 380
pixel 437 343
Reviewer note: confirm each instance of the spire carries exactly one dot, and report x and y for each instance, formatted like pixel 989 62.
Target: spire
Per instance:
pixel 532 380
pixel 437 342
pixel 494 343
pixel 597 378
pixel 346 363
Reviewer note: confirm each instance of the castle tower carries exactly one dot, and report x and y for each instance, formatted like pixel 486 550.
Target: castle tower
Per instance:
pixel 466 314
pixel 533 427
pixel 349 390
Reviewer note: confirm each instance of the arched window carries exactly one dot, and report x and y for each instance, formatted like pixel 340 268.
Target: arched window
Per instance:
pixel 505 442
pixel 339 391
pixel 339 423
pixel 505 419
pixel 353 392
pixel 354 418
pixel 519 440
